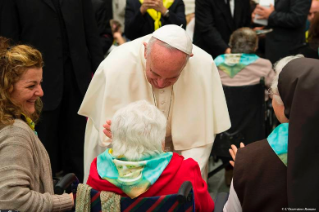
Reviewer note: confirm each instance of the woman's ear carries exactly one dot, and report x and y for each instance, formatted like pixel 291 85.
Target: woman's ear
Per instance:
pixel 11 89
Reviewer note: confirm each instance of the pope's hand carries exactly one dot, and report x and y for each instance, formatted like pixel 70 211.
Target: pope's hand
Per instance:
pixel 107 128
pixel 233 152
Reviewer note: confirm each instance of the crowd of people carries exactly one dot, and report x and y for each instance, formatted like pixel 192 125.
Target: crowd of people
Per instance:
pixel 154 105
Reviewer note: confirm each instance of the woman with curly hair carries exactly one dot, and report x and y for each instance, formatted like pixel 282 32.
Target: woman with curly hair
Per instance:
pixel 311 48
pixel 25 170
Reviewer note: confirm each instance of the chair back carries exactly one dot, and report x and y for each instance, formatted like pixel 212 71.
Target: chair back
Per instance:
pixel 179 202
pixel 141 204
pixel 246 106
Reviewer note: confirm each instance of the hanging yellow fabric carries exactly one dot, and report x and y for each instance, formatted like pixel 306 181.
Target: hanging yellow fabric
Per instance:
pixel 30 123
pixel 157 15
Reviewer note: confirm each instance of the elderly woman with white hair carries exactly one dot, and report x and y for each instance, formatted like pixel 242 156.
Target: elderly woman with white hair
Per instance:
pixel 136 165
pixel 281 172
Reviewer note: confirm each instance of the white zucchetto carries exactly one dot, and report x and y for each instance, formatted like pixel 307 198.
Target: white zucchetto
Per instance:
pixel 175 36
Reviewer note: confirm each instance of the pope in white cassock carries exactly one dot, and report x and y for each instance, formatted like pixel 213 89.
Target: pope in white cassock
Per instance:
pixel 167 70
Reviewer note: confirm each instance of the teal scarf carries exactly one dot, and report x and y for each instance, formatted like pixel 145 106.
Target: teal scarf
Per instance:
pixel 132 177
pixel 232 64
pixel 278 141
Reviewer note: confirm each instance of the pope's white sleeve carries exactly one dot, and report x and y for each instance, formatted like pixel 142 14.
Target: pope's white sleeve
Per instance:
pixel 92 147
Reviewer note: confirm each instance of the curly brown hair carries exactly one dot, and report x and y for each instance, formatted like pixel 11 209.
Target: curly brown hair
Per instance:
pixel 14 61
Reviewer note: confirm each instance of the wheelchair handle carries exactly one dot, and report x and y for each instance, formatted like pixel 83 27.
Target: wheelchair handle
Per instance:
pixel 64 183
pixel 184 191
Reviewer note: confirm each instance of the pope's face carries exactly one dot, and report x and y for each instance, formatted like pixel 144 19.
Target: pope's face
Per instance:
pixel 163 66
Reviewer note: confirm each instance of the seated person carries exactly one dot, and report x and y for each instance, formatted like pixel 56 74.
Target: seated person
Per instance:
pixel 25 171
pixel 243 66
pixel 142 17
pixel 136 166
pixel 282 170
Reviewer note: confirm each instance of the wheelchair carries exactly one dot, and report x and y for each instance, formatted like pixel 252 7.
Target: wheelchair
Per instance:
pixel 182 201
pixel 250 119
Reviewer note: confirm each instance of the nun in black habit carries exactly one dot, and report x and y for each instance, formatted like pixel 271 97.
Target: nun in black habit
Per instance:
pixel 281 173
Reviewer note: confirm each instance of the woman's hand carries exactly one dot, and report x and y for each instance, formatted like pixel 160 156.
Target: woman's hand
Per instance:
pixel 107 129
pixel 159 6
pixel 233 152
pixel 153 4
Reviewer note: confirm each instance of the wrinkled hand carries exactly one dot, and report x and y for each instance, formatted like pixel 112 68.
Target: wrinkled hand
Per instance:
pixel 263 12
pixel 107 129
pixel 233 152
pixel 153 4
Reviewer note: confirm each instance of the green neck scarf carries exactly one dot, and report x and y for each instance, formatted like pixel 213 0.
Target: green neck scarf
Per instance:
pixel 278 141
pixel 132 177
pixel 232 64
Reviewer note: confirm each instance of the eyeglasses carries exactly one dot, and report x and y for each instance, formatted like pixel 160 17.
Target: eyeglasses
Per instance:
pixel 271 93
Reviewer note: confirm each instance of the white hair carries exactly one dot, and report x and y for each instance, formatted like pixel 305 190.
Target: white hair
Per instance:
pixel 138 131
pixel 279 65
pixel 161 43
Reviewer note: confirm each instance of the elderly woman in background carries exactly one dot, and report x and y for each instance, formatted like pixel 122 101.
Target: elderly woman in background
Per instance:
pixel 243 66
pixel 25 171
pixel 136 166
pixel 284 172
